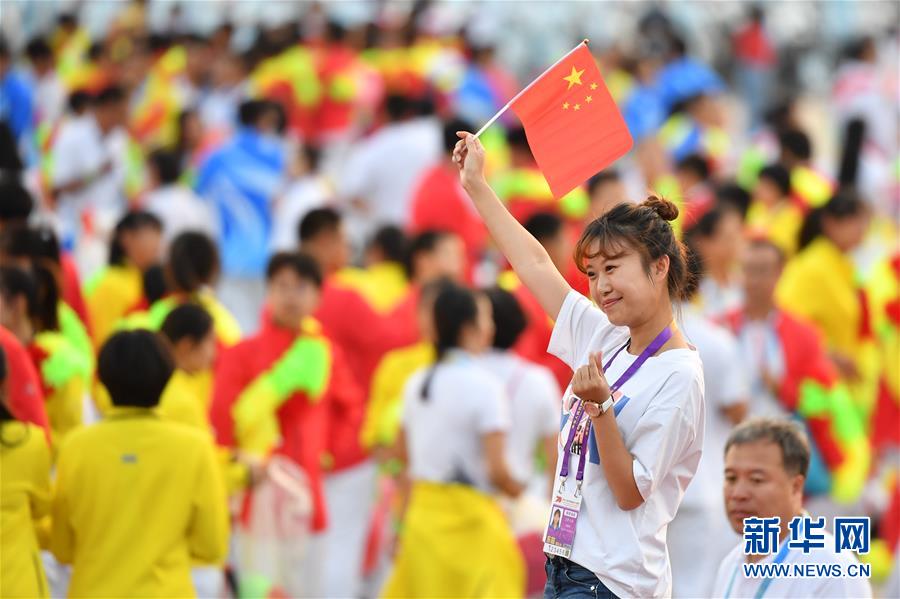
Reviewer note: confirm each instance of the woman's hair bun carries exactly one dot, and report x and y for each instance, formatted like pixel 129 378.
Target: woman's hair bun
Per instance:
pixel 663 207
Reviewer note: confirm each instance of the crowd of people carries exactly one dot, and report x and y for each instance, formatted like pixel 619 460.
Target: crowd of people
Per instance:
pixel 273 323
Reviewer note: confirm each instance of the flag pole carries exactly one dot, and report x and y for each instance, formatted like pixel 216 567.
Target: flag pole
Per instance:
pixel 500 112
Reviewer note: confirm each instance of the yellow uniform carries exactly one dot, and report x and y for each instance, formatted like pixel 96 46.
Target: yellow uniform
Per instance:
pixel 184 401
pixel 779 224
pixel 111 295
pixel 138 498
pixel 24 499
pixel 383 414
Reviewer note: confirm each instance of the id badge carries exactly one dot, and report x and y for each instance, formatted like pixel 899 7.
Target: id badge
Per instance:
pixel 560 534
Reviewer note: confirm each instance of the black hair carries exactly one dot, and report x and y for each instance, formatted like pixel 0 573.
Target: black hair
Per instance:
pixel 707 225
pixel 647 228
pixel 154 283
pixel 110 94
pixel 778 175
pixel 316 222
pixel 516 138
pixel 695 270
pixel 79 100
pixel 10 160
pixel 795 142
pixel 16 202
pixel 398 106
pixel 846 203
pixel 32 243
pixel 601 178
pixel 251 112
pixel 40 289
pixel 423 243
pixel 187 321
pixel 392 242
pixel 735 195
pixel 303 265
pixel 167 165
pixel 38 49
pixel 135 367
pixel 509 318
pixel 335 32
pixel 451 126
pixel 454 308
pixel 193 262
pixel 133 221
pixel 696 164
pixel 544 226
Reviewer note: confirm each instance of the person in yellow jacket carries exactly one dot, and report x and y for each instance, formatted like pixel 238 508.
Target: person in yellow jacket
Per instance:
pixel 24 500
pixel 772 214
pixel 118 289
pixel 820 285
pixel 137 498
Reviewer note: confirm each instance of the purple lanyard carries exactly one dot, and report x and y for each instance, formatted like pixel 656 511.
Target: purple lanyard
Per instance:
pixel 651 349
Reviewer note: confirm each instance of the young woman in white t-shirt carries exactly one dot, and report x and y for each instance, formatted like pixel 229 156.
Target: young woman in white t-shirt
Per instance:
pixel 455 540
pixel 643 447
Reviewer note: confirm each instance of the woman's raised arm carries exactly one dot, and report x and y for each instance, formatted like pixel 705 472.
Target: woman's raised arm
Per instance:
pixel 526 255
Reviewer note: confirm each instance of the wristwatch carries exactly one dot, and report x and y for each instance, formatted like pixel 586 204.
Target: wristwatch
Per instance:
pixel 606 405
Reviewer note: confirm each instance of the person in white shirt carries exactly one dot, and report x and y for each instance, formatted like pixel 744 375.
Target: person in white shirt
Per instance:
pixel 455 423
pixel 309 190
pixel 379 177
pixel 174 203
pixel 648 428
pixel 50 92
pixel 727 395
pixel 717 237
pixel 766 460
pixel 89 177
pixel 532 392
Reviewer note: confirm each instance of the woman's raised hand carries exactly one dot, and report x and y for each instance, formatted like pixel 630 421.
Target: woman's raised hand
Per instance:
pixel 469 158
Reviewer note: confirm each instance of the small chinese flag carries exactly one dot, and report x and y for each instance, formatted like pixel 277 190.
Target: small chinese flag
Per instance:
pixel 572 123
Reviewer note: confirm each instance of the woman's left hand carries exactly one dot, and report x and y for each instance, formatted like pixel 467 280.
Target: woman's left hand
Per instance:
pixel 589 384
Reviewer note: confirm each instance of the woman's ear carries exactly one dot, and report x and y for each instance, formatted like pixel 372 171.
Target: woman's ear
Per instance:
pixel 661 268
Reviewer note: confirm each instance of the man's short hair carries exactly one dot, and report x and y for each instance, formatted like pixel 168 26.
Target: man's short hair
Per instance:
pixel 786 434
pixel 318 221
pixel 135 367
pixel 303 266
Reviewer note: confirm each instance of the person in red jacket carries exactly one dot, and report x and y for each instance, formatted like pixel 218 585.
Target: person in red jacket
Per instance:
pixel 23 386
pixel 439 202
pixel 282 389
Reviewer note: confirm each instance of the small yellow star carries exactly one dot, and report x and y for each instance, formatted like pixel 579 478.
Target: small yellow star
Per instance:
pixel 566 106
pixel 574 78
pixel 589 99
pixel 578 107
pixel 593 86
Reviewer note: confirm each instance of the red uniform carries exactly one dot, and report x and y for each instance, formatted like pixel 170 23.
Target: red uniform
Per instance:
pixel 308 428
pixel 23 385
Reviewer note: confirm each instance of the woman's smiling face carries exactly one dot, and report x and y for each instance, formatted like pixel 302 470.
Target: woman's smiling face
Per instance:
pixel 620 284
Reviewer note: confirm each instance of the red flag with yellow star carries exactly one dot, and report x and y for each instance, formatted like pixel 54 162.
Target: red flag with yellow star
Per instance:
pixel 572 123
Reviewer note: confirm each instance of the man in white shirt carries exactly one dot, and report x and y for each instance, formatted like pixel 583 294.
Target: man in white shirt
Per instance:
pixel 765 467
pixel 50 93
pixel 378 180
pixel 89 176
pixel 174 203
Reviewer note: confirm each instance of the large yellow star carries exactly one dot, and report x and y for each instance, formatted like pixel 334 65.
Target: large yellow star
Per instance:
pixel 574 78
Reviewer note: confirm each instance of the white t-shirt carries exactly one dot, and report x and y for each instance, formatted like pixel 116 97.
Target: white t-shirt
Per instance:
pixel 533 408
pixel 383 170
pixel 662 427
pixel 303 195
pixel 180 210
pixel 444 433
pixel 818 587
pixel 725 385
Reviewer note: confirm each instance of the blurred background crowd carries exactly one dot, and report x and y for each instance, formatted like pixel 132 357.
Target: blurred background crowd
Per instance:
pixel 163 163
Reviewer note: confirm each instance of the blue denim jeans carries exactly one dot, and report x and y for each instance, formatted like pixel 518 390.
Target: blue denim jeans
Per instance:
pixel 568 580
